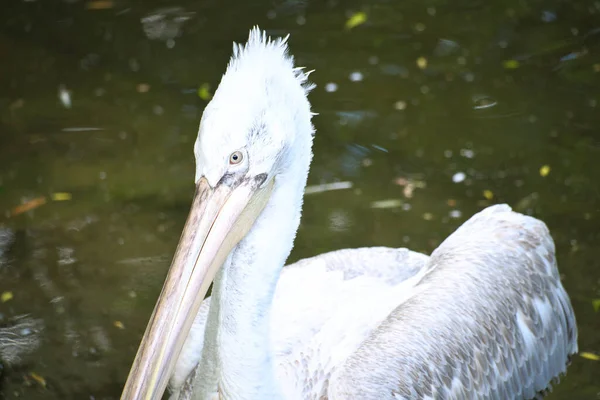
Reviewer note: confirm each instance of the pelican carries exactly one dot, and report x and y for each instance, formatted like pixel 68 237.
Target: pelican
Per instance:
pixel 485 316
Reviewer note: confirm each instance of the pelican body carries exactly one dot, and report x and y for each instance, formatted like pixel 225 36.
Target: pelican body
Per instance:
pixel 485 316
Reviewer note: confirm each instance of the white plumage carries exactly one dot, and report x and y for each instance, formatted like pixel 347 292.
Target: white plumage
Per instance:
pixel 484 317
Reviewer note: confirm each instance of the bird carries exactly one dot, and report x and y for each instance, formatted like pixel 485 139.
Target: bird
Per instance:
pixel 484 316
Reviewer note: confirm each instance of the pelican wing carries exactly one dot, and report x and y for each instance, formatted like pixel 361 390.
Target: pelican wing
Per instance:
pixel 388 265
pixel 490 319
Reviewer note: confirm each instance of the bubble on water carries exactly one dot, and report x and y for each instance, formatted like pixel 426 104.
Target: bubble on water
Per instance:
pixel 400 105
pixel 455 213
pixel 356 76
pixel 467 153
pixel 459 177
pixel 331 87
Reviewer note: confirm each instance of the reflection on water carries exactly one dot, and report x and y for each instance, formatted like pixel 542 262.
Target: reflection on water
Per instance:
pixel 428 111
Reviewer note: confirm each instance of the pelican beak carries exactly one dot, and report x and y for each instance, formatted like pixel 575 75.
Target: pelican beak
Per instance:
pixel 219 218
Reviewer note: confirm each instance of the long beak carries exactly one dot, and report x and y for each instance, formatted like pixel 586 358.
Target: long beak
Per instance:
pixel 219 218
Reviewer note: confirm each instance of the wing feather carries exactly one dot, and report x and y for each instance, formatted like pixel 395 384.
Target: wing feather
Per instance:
pixel 491 320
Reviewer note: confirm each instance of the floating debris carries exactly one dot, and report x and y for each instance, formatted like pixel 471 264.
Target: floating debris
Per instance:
pixel 428 216
pixel 544 170
pixel 402 181
pixel 511 64
pixel 488 194
pixel 481 102
pixel 142 88
pixel 596 304
pixel 388 203
pixel 28 206
pixel 119 325
pixel 64 96
pixel 326 187
pixel 377 147
pixel 356 19
pixel 38 379
pixel 573 55
pixel 445 47
pixel 589 356
pixel 204 92
pixel 61 196
pixel 408 191
pixel 422 62
pixel 82 129
pixel 6 296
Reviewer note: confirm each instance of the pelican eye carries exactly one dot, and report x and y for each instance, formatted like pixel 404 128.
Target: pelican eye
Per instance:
pixel 236 157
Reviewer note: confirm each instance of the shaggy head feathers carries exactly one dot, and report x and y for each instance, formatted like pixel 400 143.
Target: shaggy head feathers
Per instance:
pixel 260 106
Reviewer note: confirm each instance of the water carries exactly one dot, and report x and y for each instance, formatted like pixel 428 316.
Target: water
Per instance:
pixel 431 110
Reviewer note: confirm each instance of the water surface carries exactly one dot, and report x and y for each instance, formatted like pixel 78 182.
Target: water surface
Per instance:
pixel 431 110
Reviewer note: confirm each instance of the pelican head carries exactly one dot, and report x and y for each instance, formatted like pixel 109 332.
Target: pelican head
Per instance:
pixel 255 136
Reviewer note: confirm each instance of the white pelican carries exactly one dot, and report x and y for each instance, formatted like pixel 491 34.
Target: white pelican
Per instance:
pixel 484 317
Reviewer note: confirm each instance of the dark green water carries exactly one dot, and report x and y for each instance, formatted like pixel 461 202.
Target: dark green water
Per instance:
pixel 509 89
